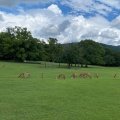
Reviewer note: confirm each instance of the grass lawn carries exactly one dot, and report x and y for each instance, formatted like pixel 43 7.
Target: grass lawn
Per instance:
pixel 48 98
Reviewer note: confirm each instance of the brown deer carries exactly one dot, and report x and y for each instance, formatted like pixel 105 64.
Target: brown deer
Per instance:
pixel 85 75
pixel 81 75
pixel 62 76
pixel 96 75
pixel 116 75
pixel 22 75
pixel 88 75
pixel 74 75
pixel 27 74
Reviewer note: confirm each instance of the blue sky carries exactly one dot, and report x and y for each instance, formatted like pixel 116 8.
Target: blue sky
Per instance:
pixel 66 20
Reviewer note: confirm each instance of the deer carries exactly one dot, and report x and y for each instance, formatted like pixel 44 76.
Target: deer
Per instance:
pixel 96 75
pixel 85 75
pixel 74 75
pixel 116 75
pixel 81 75
pixel 22 75
pixel 88 75
pixel 27 74
pixel 62 76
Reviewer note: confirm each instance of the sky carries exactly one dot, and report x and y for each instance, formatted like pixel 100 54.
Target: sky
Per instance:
pixel 66 20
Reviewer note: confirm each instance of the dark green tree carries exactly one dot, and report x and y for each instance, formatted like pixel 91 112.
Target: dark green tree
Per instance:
pixel 18 45
pixel 54 50
pixel 93 52
pixel 109 57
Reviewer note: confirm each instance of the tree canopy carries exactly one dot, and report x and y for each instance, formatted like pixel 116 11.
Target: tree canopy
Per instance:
pixel 18 44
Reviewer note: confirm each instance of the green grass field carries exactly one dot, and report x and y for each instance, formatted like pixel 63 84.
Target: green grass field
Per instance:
pixel 48 98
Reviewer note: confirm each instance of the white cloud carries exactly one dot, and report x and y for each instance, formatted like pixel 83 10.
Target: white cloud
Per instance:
pixel 45 23
pixel 54 8
pixel 112 3
pixel 110 34
pixel 102 7
pixel 116 23
pixel 10 3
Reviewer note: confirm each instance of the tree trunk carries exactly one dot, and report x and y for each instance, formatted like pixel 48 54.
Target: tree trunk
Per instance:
pixel 86 65
pixel 69 65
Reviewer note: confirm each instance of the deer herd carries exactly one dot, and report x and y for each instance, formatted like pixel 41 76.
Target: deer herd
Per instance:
pixel 82 75
pixel 24 75
pixel 62 76
pixel 75 75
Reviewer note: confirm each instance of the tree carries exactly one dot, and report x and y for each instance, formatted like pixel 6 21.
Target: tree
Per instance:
pixel 93 52
pixel 68 55
pixel 19 45
pixel 45 54
pixel 117 58
pixel 60 52
pixel 72 54
pixel 109 58
pixel 54 50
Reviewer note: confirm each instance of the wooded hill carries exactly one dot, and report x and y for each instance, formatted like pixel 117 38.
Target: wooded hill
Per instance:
pixel 17 44
pixel 116 48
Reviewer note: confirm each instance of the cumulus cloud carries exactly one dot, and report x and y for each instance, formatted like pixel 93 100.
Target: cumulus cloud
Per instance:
pixel 91 34
pixel 54 8
pixel 54 29
pixel 1 17
pixel 110 34
pixel 51 22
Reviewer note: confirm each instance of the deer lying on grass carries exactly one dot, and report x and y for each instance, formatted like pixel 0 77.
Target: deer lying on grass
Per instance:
pixel 27 74
pixel 22 75
pixel 61 76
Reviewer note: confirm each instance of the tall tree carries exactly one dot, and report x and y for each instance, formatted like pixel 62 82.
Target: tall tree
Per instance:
pixel 54 50
pixel 18 44
pixel 109 58
pixel 93 52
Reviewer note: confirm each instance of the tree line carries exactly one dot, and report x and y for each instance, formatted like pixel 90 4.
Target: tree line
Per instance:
pixel 18 44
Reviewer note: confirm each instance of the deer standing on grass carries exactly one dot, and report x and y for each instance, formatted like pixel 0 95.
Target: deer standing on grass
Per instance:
pixel 116 75
pixel 88 75
pixel 96 75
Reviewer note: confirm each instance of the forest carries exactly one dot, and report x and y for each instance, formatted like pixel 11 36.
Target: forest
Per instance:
pixel 17 44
